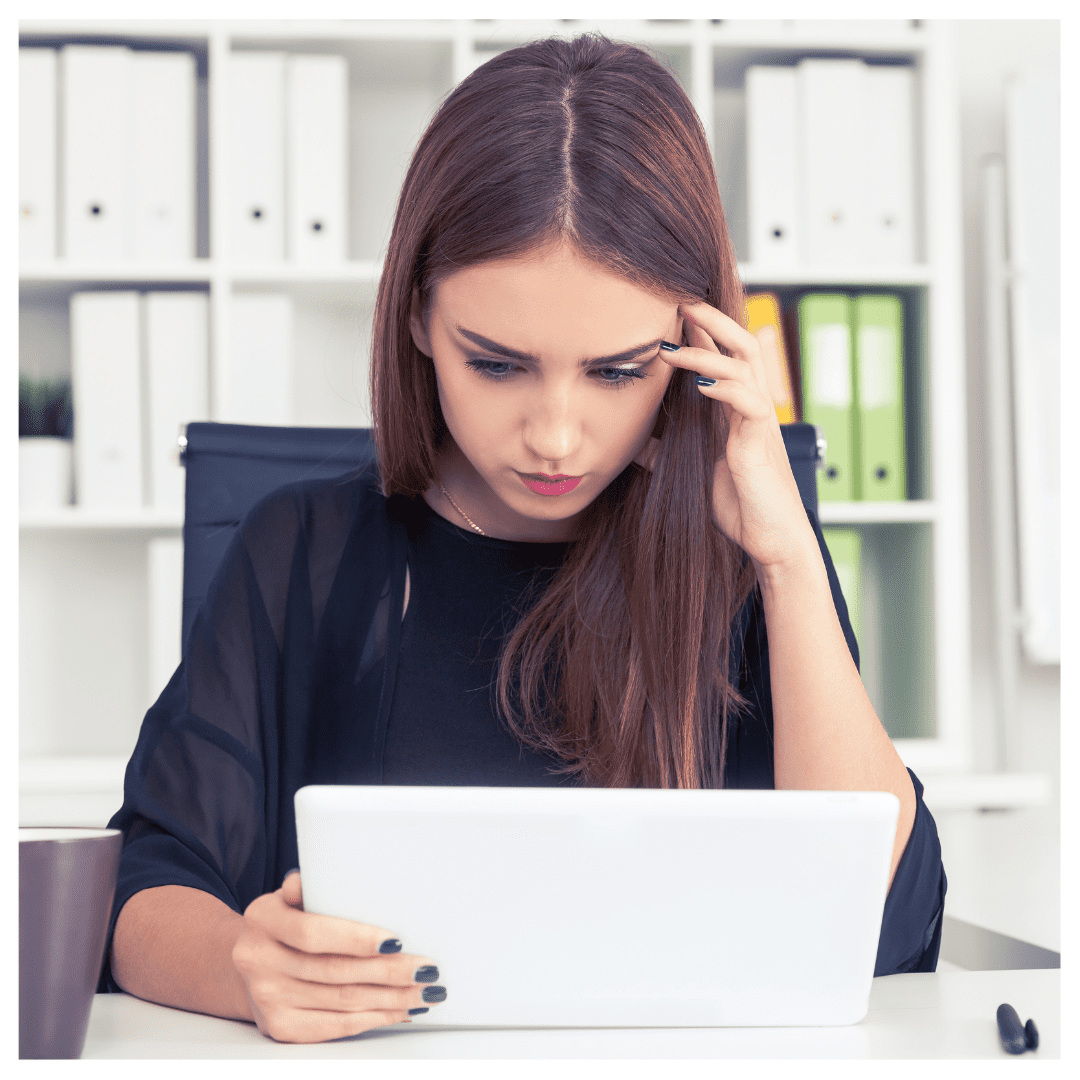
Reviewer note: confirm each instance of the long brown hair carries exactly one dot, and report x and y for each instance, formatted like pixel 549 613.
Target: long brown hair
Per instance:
pixel 620 668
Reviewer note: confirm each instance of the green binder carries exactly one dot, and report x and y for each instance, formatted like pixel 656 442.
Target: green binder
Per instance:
pixel 879 377
pixel 825 351
pixel 845 548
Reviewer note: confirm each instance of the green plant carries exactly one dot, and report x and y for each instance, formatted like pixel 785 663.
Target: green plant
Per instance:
pixel 44 408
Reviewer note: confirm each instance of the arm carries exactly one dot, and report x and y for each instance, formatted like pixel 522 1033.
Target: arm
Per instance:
pixel 826 735
pixel 199 843
pixel 173 945
pixel 300 977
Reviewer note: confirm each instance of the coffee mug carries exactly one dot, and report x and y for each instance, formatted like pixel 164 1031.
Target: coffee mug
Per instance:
pixel 67 878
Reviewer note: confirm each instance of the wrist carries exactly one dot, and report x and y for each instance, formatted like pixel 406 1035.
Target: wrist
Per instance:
pixel 800 567
pixel 234 983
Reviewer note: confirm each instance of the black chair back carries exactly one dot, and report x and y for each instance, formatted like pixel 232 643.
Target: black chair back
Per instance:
pixel 805 452
pixel 230 467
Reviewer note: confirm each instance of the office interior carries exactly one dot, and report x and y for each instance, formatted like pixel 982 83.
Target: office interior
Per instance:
pixel 98 589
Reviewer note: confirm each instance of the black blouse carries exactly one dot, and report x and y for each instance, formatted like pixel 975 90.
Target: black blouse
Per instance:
pixel 465 594
pixel 296 673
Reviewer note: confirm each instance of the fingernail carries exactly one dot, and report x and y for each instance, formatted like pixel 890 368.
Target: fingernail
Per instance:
pixel 702 381
pixel 294 870
pixel 668 347
pixel 434 993
pixel 428 973
pixel 391 944
pixel 417 1012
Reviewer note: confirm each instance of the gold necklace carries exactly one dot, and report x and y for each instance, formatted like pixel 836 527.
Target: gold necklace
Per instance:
pixel 462 512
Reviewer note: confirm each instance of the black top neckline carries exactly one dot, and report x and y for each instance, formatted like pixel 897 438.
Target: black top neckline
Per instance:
pixel 423 513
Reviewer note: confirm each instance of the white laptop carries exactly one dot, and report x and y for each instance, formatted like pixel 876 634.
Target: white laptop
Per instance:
pixel 599 907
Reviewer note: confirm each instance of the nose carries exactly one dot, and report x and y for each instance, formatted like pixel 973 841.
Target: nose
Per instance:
pixel 553 428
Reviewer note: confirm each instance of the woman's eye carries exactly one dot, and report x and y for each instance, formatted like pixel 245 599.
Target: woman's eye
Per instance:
pixel 491 369
pixel 620 376
pixel 498 370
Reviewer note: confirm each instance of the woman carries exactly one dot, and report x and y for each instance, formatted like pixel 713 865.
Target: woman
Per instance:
pixel 582 559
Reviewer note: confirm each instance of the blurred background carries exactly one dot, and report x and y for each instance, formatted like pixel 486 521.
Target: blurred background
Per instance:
pixel 204 207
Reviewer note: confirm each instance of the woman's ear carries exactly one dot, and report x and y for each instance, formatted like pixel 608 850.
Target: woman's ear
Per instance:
pixel 416 325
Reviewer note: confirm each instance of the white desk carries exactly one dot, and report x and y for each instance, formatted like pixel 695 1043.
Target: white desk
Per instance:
pixel 944 1015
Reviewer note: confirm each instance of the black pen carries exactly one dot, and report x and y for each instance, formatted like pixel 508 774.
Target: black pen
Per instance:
pixel 1016 1038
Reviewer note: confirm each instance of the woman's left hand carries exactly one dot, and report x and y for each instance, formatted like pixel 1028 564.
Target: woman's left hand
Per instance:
pixel 756 501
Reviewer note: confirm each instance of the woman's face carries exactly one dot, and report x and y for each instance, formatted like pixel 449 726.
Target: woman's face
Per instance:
pixel 547 366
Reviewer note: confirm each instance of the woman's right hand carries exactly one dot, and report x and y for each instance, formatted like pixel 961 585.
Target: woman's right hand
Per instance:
pixel 311 977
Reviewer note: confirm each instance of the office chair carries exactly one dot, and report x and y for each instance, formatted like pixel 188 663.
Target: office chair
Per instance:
pixel 230 467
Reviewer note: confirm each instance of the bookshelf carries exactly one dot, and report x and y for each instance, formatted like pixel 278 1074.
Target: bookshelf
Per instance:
pixel 917 654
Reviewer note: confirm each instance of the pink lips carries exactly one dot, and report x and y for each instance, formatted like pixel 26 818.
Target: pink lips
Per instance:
pixel 554 485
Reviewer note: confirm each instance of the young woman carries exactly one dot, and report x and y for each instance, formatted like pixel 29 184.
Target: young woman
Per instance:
pixel 582 559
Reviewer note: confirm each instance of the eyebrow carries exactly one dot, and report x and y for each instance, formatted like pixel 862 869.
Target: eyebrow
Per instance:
pixel 516 354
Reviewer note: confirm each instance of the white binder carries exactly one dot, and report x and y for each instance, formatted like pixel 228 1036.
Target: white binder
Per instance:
pixel 316 111
pixel 889 151
pixel 37 155
pixel 163 155
pixel 105 388
pixel 254 385
pixel 256 163
pixel 833 161
pixel 772 166
pixel 165 588
pixel 95 173
pixel 177 376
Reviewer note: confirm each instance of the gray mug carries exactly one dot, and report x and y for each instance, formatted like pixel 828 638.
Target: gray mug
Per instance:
pixel 67 878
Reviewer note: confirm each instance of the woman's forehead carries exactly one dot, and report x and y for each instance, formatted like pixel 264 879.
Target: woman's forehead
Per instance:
pixel 559 278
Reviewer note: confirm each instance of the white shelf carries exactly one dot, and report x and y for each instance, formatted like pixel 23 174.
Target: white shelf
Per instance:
pixel 357 270
pixel 203 270
pixel 77 791
pixel 985 791
pixel 79 518
pixel 857 35
pixel 868 513
pixel 172 29
pixel 367 270
pixel 864 35
pixel 914 274
pixel 61 270
pixel 92 778
pixel 345 30
pixel 71 774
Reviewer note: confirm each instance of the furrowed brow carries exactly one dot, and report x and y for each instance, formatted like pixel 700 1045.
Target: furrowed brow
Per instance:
pixel 516 354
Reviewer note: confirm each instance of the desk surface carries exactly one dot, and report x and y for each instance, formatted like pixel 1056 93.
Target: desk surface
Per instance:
pixel 943 1015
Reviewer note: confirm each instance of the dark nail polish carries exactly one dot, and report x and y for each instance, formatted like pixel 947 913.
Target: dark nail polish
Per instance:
pixel 390 945
pixel 434 993
pixel 428 973
pixel 668 347
pixel 417 1012
pixel 702 381
pixel 294 870
pixel 1031 1035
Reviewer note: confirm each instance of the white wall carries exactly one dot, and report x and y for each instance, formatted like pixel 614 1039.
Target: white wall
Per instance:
pixel 989 51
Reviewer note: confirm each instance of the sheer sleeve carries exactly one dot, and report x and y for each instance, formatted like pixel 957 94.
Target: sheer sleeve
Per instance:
pixel 205 788
pixel 911 922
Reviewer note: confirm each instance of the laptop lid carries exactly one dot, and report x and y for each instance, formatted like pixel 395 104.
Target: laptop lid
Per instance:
pixel 598 907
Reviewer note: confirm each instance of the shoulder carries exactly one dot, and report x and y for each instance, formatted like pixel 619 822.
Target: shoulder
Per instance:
pixel 314 506
pixel 319 514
